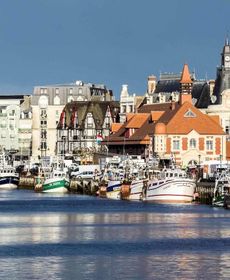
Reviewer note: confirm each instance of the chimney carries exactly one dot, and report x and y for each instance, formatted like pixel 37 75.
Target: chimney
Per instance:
pixel 173 105
pixel 185 98
pixel 151 83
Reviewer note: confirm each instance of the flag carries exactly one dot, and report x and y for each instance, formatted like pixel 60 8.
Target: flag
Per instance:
pixel 99 138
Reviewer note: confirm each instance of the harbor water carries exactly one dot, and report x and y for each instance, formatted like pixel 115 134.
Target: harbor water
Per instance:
pixel 47 236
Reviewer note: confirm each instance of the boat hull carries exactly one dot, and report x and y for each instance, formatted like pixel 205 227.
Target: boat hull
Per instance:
pixel 170 190
pixel 113 189
pixel 133 190
pixel 9 183
pixel 56 185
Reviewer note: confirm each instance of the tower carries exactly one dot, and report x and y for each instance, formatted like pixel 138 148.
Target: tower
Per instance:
pixel 185 85
pixel 186 81
pixel 223 73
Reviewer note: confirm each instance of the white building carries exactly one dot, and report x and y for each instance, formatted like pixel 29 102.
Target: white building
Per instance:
pixel 15 125
pixel 47 105
pixel 128 103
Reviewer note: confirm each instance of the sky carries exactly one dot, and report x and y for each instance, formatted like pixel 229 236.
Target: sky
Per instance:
pixel 111 42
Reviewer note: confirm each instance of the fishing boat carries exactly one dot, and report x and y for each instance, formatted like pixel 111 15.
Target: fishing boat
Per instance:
pixel 9 179
pixel 113 189
pixel 221 189
pixel 170 185
pixel 133 190
pixel 56 182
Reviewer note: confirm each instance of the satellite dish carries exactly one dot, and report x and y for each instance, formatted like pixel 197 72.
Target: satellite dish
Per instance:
pixel 213 98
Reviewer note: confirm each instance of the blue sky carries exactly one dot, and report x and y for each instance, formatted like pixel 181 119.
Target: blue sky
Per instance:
pixel 113 42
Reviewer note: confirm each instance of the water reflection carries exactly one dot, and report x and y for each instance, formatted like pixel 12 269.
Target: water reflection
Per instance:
pixel 76 239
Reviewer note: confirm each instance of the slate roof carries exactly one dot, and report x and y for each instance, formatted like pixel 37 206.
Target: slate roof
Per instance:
pixel 200 91
pixel 96 108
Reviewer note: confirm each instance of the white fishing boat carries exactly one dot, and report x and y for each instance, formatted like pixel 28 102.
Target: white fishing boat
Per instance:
pixel 133 190
pixel 221 189
pixel 56 182
pixel 9 179
pixel 170 185
pixel 113 189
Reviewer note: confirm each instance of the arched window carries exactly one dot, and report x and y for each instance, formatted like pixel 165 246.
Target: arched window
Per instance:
pixel 192 143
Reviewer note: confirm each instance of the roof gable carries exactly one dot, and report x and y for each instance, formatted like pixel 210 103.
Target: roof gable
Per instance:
pixel 203 124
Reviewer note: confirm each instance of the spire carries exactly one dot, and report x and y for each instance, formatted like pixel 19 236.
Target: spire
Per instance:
pixel 185 76
pixel 226 40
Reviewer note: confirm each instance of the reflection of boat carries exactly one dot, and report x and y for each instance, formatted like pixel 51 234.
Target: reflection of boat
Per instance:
pixel 222 188
pixel 57 181
pixel 9 179
pixel 170 185
pixel 133 190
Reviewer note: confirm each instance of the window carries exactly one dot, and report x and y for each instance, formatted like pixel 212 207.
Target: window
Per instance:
pixel 57 90
pixel 209 145
pixel 80 90
pixel 43 123
pixel 192 143
pixel 70 91
pixel 176 144
pixel 190 114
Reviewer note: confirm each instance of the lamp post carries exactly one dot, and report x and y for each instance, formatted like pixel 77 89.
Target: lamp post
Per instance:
pixel 199 165
pixel 199 160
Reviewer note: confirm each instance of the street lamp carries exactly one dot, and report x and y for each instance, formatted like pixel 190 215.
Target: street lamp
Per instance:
pixel 199 156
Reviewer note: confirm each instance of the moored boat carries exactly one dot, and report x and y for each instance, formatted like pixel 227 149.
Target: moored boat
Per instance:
pixel 170 185
pixel 113 189
pixel 9 179
pixel 222 189
pixel 133 190
pixel 56 182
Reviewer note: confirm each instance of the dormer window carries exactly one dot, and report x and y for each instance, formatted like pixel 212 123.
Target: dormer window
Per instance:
pixel 190 114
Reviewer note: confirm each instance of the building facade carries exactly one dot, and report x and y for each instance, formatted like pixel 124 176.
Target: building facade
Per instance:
pixel 47 105
pixel 129 103
pixel 83 125
pixel 221 96
pixel 16 125
pixel 171 130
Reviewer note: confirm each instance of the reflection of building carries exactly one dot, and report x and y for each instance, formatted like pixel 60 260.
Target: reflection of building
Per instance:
pixel 83 124
pixel 15 125
pixel 47 105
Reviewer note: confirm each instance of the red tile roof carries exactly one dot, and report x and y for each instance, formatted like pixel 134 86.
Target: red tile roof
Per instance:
pixel 185 76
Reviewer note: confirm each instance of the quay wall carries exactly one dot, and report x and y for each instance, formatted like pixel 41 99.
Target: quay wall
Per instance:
pixel 203 193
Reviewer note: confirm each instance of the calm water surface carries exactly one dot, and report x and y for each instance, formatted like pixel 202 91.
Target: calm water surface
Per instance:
pixel 45 236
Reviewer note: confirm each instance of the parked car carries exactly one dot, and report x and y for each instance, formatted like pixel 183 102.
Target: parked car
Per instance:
pixel 89 175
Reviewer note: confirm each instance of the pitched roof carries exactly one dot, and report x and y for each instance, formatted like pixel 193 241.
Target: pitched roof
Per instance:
pixel 137 120
pixel 115 127
pixel 203 124
pixel 156 115
pixel 96 108
pixel 185 76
